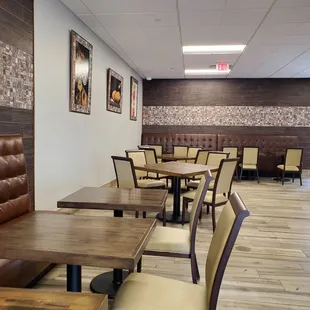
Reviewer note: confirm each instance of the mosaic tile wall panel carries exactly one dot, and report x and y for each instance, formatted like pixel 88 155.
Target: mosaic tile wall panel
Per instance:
pixel 227 116
pixel 16 78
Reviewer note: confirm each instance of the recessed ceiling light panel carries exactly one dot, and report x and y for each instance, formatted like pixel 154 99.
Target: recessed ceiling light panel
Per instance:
pixel 213 49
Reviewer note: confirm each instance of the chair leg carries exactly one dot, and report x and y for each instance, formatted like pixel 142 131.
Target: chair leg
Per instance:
pixel 213 218
pixel 283 177
pixel 300 179
pixel 139 266
pixel 144 214
pixel 200 214
pixel 208 209
pixel 241 172
pixel 293 177
pixel 257 175
pixel 197 268
pixel 164 216
pixel 194 269
pixel 237 177
pixel 184 208
pixel 278 175
pixel 137 214
pixel 167 182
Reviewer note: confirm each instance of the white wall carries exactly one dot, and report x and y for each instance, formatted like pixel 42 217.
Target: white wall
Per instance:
pixel 74 150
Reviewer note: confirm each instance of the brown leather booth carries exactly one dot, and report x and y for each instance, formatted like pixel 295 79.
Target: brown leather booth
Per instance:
pixel 271 148
pixel 14 202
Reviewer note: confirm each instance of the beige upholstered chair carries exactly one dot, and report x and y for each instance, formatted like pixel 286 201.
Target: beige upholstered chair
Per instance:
pixel 180 150
pixel 126 176
pixel 213 159
pixel 139 159
pixel 175 242
pixel 292 164
pixel 233 153
pixel 249 161
pixel 143 291
pixel 221 190
pixel 158 149
pixel 192 152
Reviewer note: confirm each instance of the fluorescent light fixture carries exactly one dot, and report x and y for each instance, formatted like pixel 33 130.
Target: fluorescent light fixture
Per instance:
pixel 213 49
pixel 204 71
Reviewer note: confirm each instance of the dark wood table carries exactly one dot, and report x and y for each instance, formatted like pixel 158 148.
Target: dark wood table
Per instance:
pixel 119 200
pixel 22 299
pixel 178 171
pixel 172 157
pixel 76 240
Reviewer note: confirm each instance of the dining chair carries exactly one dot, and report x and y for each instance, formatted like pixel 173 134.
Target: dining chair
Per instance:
pixel 292 164
pixel 139 159
pixel 221 190
pixel 151 158
pixel 140 290
pixel 175 242
pixel 249 160
pixel 180 150
pixel 158 149
pixel 214 159
pixel 126 176
pixel 192 152
pixel 233 153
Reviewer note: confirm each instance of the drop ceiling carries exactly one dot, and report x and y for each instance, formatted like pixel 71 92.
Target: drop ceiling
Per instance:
pixel 149 34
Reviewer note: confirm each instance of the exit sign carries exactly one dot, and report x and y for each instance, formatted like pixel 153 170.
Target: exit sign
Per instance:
pixel 222 67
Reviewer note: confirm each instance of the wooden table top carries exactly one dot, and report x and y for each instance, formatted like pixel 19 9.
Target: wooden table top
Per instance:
pixel 61 238
pixel 174 157
pixel 105 198
pixel 177 169
pixel 22 299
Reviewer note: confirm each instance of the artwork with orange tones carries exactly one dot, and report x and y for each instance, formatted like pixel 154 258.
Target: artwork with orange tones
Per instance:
pixel 114 92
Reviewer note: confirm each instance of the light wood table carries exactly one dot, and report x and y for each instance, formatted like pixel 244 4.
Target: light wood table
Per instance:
pixel 119 200
pixel 172 157
pixel 178 171
pixel 21 299
pixel 75 240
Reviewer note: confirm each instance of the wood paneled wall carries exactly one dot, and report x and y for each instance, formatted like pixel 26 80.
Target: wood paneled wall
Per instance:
pixel 16 24
pixel 236 92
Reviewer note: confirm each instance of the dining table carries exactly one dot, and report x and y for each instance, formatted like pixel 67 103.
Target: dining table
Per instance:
pixel 118 200
pixel 76 240
pixel 178 171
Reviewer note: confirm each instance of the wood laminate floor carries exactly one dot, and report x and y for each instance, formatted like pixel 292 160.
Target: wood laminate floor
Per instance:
pixel 270 265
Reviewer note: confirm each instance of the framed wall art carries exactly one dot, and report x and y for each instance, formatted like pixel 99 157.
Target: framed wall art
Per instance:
pixel 114 92
pixel 133 98
pixel 80 74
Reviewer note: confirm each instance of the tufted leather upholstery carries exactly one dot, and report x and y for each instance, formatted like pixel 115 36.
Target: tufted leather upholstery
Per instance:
pixel 14 202
pixel 206 141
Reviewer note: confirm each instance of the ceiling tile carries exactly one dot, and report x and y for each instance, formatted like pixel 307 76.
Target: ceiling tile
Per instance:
pixel 288 15
pixel 158 19
pixel 76 6
pixel 249 4
pixel 197 5
pixel 243 17
pixel 303 74
pixel 89 20
pixel 292 3
pixel 205 61
pixel 279 29
pixel 200 18
pixel 304 29
pixel 130 6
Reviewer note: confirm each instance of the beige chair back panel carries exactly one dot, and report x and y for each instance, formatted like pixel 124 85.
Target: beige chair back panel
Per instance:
pixel 225 176
pixel 233 151
pixel 158 149
pixel 250 155
pixel 202 157
pixel 180 150
pixel 214 159
pixel 217 246
pixel 293 157
pixel 150 156
pixel 192 152
pixel 124 174
pixel 138 158
pixel 196 201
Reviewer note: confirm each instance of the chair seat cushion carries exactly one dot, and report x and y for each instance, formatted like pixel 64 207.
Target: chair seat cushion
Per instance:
pixel 288 168
pixel 195 183
pixel 220 199
pixel 248 167
pixel 142 291
pixel 168 239
pixel 150 183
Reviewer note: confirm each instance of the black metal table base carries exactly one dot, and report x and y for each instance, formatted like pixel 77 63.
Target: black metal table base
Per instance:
pixel 74 278
pixel 286 180
pixel 104 283
pixel 171 218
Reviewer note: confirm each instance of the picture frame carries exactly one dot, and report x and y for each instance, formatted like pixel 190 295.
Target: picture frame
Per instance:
pixel 114 92
pixel 134 92
pixel 81 58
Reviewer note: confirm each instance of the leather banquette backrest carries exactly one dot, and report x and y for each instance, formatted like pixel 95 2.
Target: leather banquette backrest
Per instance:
pixel 14 195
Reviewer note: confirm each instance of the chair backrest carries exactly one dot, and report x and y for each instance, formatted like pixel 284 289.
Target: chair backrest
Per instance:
pixel 233 151
pixel 139 159
pixel 150 155
pixel 224 176
pixel 250 155
pixel 124 172
pixel 158 149
pixel 14 192
pixel 201 158
pixel 223 240
pixel 192 152
pixel 143 147
pixel 200 195
pixel 214 158
pixel 293 157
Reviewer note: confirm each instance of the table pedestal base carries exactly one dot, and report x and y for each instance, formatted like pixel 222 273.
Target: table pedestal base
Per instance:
pixel 286 180
pixel 171 218
pixel 106 283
